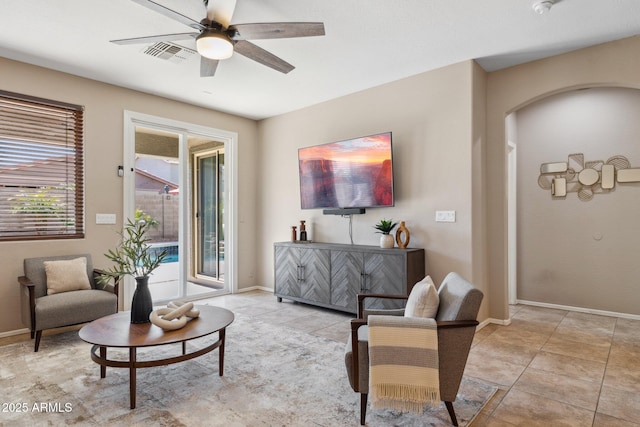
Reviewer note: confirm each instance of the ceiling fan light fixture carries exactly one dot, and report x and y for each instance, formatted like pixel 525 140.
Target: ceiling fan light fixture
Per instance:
pixel 214 45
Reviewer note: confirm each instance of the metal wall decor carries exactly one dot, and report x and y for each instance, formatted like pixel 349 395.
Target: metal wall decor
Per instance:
pixel 586 178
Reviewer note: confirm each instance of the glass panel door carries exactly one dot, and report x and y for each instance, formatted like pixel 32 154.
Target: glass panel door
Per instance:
pixel 157 197
pixel 209 195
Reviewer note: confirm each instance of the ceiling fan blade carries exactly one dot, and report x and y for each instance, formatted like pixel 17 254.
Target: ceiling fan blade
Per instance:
pixel 208 67
pixel 260 55
pixel 158 38
pixel 170 13
pixel 220 11
pixel 277 30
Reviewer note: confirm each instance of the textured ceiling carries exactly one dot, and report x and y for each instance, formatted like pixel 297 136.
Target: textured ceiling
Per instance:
pixel 367 43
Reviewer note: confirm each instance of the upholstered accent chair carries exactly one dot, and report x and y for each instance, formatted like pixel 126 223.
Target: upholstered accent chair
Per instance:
pixel 62 291
pixel 459 302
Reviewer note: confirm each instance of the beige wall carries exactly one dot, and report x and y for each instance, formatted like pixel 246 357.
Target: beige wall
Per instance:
pixel 572 252
pixel 611 64
pixel 104 106
pixel 435 135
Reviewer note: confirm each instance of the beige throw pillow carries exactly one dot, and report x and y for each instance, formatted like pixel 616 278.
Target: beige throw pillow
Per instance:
pixel 66 275
pixel 423 300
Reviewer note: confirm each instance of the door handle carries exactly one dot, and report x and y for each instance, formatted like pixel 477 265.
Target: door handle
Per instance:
pixel 363 281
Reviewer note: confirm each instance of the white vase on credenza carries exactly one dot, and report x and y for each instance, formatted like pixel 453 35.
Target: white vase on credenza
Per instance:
pixel 386 241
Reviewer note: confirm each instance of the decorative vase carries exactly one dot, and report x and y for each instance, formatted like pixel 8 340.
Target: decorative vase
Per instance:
pixel 303 231
pixel 402 236
pixel 386 241
pixel 141 304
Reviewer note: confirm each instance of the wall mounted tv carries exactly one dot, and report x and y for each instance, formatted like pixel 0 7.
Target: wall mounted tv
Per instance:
pixel 345 177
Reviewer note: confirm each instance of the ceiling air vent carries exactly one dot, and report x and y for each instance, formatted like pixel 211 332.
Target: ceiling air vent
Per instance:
pixel 170 52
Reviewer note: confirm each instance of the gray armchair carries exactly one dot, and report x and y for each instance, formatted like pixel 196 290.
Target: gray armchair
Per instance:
pixel 456 324
pixel 41 310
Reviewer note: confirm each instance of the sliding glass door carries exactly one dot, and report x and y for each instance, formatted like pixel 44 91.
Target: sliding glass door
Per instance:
pixel 209 212
pixel 181 177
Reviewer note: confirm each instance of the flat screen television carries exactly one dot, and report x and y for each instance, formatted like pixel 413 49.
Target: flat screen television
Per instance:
pixel 354 173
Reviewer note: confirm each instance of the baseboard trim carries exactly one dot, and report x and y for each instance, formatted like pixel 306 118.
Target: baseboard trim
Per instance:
pixel 12 333
pixel 579 309
pixel 255 288
pixel 501 322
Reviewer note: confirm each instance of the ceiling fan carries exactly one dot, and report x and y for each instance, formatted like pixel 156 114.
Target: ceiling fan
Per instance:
pixel 216 39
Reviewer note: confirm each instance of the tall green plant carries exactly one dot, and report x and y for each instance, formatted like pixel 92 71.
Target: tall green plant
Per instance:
pixel 133 256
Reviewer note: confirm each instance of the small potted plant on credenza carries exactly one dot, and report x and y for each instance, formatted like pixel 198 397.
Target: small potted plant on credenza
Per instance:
pixel 384 227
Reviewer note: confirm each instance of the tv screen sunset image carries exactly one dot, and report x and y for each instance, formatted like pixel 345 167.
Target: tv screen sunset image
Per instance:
pixel 351 173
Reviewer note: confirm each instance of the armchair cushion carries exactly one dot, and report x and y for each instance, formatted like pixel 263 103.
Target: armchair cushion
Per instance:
pixel 66 275
pixel 459 299
pixel 72 308
pixel 423 300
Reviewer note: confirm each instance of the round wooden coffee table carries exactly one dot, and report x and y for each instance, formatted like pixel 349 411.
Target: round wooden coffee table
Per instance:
pixel 117 330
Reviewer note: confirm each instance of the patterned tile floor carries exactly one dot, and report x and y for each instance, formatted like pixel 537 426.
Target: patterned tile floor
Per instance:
pixel 559 368
pixel 552 367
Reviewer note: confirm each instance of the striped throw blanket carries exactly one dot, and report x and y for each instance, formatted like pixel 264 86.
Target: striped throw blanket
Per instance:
pixel 403 363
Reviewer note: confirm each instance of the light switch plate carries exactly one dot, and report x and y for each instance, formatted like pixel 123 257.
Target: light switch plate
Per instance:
pixel 445 216
pixel 102 218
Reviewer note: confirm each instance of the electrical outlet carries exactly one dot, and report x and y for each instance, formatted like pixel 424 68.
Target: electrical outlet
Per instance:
pixel 105 218
pixel 445 216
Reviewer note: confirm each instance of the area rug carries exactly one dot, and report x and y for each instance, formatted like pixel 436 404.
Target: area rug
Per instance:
pixel 273 376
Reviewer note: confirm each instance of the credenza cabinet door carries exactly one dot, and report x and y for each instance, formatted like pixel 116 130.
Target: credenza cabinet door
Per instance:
pixel 347 279
pixel 384 274
pixel 287 271
pixel 315 275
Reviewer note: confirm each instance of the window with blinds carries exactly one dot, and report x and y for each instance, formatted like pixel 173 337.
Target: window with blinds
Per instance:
pixel 41 168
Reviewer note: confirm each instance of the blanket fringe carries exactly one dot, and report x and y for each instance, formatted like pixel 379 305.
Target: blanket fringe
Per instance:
pixel 402 397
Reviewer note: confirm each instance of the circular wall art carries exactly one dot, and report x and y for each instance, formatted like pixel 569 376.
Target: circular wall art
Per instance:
pixel 588 176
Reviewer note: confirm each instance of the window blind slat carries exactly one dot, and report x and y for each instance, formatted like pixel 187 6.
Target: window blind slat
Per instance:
pixel 41 168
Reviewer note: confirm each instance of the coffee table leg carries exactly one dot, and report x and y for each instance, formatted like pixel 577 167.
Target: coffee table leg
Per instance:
pixel 132 377
pixel 103 356
pixel 221 336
